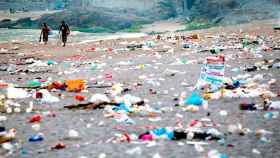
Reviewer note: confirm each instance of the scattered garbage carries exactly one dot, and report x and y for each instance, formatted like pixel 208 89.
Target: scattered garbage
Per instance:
pixel 75 85
pixel 7 136
pixel 36 138
pixel 16 93
pixel 194 99
pixel 58 146
pixel 142 100
pixel 216 154
pixel 48 97
pixel 73 134
pixel 271 115
pixel 35 119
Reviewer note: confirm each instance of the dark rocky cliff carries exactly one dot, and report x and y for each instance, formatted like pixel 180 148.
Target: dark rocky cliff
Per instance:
pixel 94 14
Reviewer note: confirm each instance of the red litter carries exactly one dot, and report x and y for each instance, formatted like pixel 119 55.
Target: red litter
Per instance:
pixel 35 119
pixel 80 98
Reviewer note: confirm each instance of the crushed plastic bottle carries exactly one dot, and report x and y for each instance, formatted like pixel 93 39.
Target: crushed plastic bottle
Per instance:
pixel 36 138
pixel 33 84
pixel 12 68
pixel 271 115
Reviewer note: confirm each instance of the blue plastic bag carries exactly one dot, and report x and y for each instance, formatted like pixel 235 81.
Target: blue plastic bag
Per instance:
pixel 163 132
pixel 194 99
pixel 122 107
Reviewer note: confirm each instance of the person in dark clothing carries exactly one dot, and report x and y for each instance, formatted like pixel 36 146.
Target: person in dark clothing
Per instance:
pixel 65 31
pixel 45 33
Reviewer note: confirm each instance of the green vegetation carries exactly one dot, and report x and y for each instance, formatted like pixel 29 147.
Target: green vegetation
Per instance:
pixel 155 33
pixel 94 30
pixel 167 9
pixel 197 25
pixel 133 29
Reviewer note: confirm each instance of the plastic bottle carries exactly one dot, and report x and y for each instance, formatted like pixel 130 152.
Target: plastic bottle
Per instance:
pixel 271 115
pixel 32 84
pixel 36 138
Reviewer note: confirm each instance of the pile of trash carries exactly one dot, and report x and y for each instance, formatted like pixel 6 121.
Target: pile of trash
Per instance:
pixel 183 90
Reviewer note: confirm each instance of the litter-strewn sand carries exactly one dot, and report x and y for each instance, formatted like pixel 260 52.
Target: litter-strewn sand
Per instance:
pixel 156 66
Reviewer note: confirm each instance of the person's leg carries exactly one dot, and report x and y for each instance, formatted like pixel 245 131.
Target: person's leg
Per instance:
pixel 64 39
pixel 45 39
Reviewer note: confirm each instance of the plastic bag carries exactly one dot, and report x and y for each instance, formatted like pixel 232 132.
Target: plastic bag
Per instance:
pixel 194 99
pixel 75 85
pixel 16 93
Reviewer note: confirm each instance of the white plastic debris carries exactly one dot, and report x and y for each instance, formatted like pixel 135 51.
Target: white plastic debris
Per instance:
pixel 3 118
pixel 232 128
pixel 116 89
pixel 256 151
pixel 99 98
pixel 36 127
pixel 275 105
pixel 128 99
pixel 157 155
pixel 133 151
pixel 8 146
pixel 73 134
pixel 102 155
pixel 223 113
pixel 48 97
pixel 198 148
pixel 16 93
pixel 30 108
pixel 39 63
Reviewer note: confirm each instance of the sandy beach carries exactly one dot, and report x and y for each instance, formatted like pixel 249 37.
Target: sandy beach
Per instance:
pixel 158 72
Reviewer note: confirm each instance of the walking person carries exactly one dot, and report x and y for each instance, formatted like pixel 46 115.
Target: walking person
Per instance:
pixel 65 31
pixel 45 33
